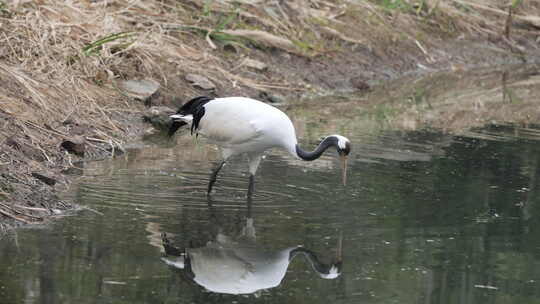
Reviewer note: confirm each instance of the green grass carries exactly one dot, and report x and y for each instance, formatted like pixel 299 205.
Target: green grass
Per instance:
pixel 96 46
pixel 394 4
pixel 4 11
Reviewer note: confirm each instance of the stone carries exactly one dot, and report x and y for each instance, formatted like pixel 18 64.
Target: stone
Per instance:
pixel 75 145
pixel 272 98
pixel 12 142
pixel 255 64
pixel 144 89
pixel 200 82
pixel 25 149
pixel 158 117
pixel 76 169
pixel 359 83
pixel 45 179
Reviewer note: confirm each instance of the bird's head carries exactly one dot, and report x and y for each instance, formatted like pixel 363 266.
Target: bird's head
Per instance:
pixel 343 147
pixel 176 123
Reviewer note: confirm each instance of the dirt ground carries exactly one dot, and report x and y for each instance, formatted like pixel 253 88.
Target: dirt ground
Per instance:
pixel 63 98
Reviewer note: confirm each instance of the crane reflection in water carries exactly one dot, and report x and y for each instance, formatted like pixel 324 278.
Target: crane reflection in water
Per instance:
pixel 238 265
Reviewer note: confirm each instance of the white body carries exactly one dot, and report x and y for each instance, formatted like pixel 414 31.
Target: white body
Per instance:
pixel 244 125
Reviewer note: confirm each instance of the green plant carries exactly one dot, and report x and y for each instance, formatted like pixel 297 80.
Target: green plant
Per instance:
pixel 4 11
pixel 516 3
pixel 227 20
pixel 394 4
pixel 94 47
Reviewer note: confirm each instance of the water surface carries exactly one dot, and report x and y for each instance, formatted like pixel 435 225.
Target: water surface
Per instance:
pixel 426 217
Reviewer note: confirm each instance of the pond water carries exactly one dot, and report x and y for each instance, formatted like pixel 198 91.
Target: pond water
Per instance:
pixel 426 217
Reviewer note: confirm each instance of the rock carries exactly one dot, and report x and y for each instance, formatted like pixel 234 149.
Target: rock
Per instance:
pixel 25 149
pixel 359 83
pixel 75 128
pixel 116 151
pixel 76 169
pixel 143 90
pixel 11 142
pixel 150 132
pixel 45 179
pixel 255 64
pixel 73 171
pixel 200 82
pixel 79 130
pixel 158 117
pixel 75 145
pixel 272 98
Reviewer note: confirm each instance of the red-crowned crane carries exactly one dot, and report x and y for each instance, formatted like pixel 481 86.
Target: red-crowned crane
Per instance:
pixel 243 125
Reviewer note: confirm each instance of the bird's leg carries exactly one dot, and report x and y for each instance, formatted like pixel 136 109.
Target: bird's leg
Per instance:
pixel 213 176
pixel 254 161
pixel 251 187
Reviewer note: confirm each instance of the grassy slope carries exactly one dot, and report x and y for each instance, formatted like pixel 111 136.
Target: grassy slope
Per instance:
pixel 60 63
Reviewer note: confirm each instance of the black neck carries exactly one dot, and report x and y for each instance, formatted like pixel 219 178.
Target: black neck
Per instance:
pixel 325 144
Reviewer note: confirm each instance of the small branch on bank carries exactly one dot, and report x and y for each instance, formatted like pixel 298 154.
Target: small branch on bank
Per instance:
pixel 19 212
pixel 508 23
pixel 14 217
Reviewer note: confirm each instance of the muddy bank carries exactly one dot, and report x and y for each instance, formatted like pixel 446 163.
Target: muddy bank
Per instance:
pixel 68 96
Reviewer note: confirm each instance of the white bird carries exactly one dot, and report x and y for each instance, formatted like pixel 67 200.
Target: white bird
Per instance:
pixel 241 125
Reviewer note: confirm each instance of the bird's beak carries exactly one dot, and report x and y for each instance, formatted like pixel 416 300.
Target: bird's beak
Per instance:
pixel 343 159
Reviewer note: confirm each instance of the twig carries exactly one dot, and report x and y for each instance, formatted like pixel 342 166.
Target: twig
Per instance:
pixel 96 140
pixel 12 216
pixel 31 124
pixel 522 18
pixel 209 40
pixel 19 212
pixel 256 85
pixel 428 57
pixel 44 153
pixel 32 208
pixel 508 23
pixel 96 146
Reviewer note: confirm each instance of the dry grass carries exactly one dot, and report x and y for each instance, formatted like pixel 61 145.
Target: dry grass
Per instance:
pixel 60 58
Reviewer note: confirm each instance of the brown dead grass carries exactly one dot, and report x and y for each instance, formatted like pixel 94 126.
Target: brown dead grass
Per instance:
pixel 43 61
